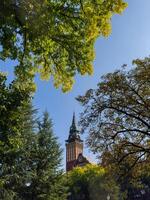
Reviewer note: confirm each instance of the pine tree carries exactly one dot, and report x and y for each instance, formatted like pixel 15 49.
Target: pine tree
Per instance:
pixel 43 163
pixel 24 173
pixel 30 156
pixel 13 103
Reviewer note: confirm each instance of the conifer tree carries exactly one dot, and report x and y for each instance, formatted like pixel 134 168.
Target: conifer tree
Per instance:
pixel 30 156
pixel 43 164
pixel 13 102
pixel 23 170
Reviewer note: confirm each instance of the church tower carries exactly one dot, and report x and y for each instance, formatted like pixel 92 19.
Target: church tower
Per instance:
pixel 74 146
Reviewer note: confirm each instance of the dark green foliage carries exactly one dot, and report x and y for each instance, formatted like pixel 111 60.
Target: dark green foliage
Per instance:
pixel 30 155
pixel 43 164
pixel 12 126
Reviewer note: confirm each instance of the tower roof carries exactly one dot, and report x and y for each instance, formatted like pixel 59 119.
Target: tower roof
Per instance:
pixel 73 133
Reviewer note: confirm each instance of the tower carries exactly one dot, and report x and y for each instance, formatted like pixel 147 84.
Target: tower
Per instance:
pixel 74 146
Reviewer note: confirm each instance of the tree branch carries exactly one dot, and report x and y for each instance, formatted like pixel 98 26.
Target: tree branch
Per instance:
pixel 128 114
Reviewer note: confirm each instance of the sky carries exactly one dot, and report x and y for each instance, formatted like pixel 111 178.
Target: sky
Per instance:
pixel 130 39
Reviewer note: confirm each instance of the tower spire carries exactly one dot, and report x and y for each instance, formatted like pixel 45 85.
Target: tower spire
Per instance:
pixel 73 133
pixel 74 145
pixel 74 121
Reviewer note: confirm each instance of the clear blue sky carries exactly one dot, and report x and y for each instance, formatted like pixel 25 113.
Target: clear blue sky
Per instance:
pixel 130 39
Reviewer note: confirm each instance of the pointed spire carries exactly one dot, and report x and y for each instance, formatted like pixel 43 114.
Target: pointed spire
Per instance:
pixel 73 127
pixel 74 120
pixel 73 133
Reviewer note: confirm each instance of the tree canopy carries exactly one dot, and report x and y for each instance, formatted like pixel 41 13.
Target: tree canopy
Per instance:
pixel 91 182
pixel 30 156
pixel 117 114
pixel 134 182
pixel 54 38
pixel 14 123
pixel 12 103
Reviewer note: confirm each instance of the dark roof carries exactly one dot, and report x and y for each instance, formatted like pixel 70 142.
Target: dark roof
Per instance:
pixel 81 160
pixel 73 133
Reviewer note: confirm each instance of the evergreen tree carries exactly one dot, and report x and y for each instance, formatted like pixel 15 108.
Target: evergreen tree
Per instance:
pixel 30 156
pixel 43 163
pixel 24 173
pixel 13 103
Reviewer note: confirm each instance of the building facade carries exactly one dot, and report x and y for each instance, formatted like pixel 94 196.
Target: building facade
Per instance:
pixel 74 148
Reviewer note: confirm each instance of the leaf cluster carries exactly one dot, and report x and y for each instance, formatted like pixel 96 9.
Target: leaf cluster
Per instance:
pixel 117 113
pixel 54 38
pixel 91 182
pixel 30 156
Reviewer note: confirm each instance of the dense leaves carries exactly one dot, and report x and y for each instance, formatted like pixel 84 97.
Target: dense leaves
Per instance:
pixel 91 182
pixel 13 124
pixel 134 181
pixel 30 155
pixel 54 38
pixel 12 103
pixel 117 113
pixel 43 166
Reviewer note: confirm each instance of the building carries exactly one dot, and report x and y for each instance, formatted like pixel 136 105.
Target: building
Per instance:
pixel 74 148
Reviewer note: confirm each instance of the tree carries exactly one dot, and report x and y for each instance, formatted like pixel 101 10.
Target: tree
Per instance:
pixel 129 179
pixel 45 178
pixel 13 103
pixel 134 182
pixel 54 38
pixel 91 182
pixel 117 113
pixel 29 156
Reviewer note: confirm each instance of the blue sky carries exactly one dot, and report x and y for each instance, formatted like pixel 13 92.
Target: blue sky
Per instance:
pixel 130 39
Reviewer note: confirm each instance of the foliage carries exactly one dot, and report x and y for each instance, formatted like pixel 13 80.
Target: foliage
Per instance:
pixel 42 165
pixel 54 38
pixel 117 113
pixel 134 181
pixel 30 156
pixel 13 103
pixel 12 100
pixel 91 182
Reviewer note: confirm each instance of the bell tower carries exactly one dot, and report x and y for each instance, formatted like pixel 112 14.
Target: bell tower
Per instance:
pixel 74 146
